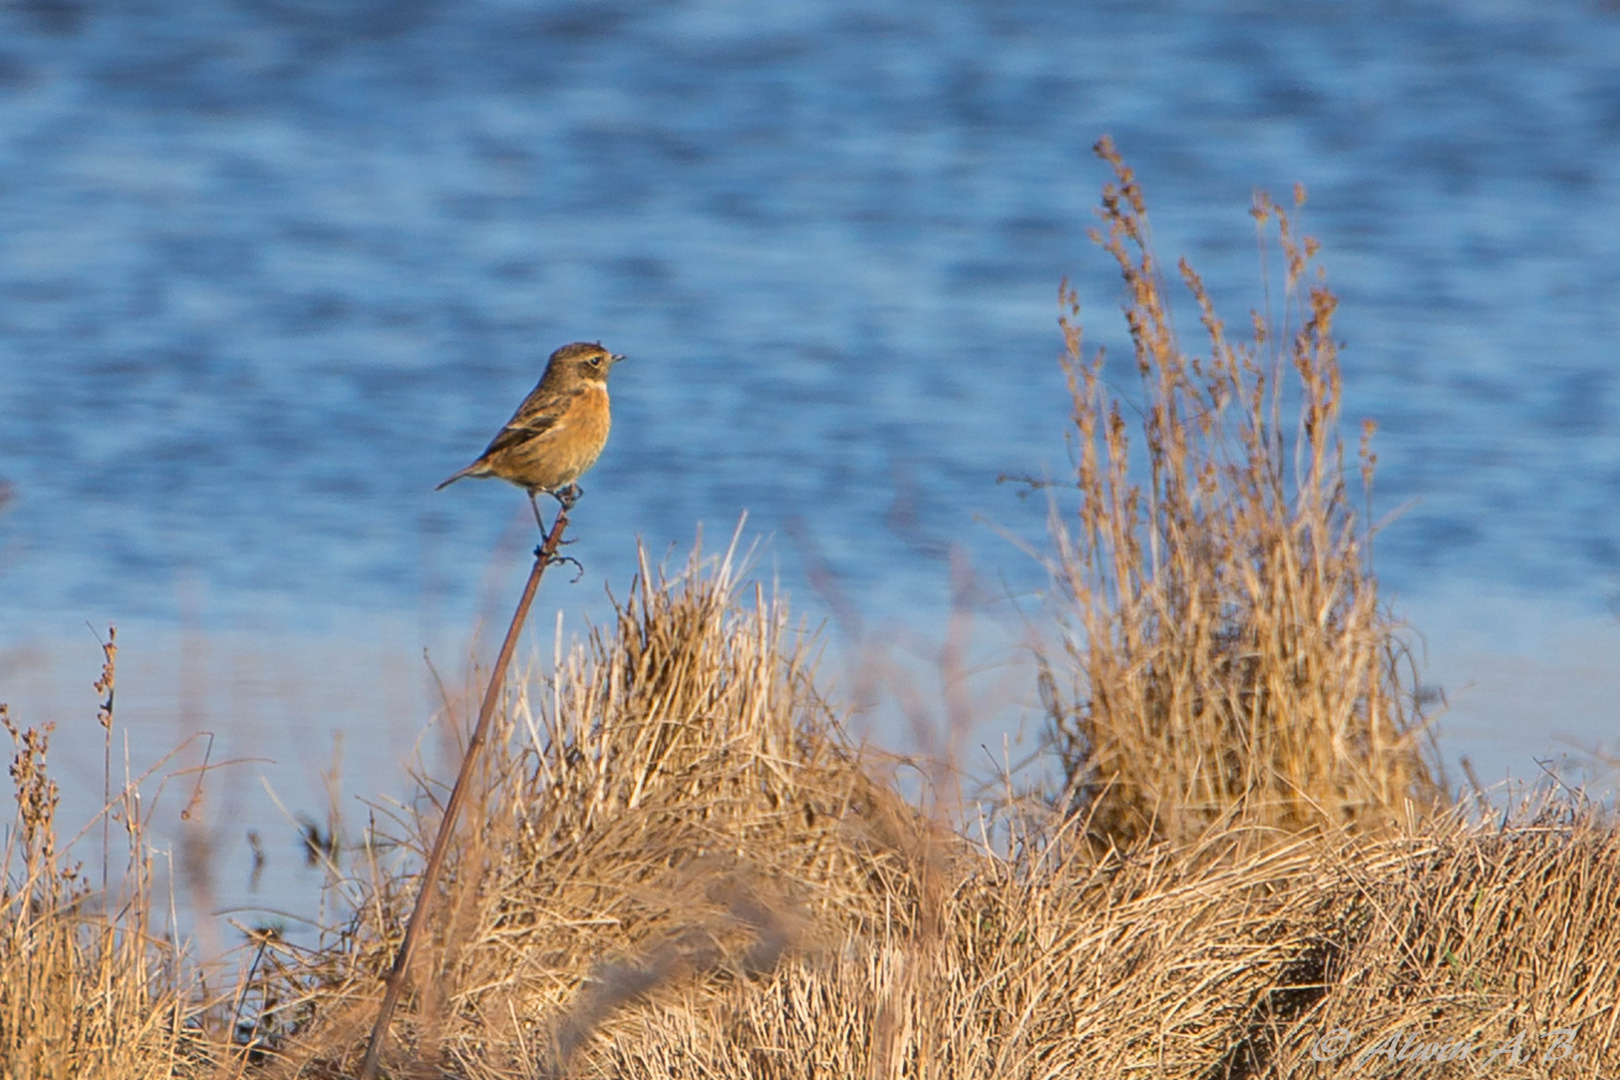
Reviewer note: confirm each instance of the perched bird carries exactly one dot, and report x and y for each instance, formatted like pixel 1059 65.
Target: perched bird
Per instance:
pixel 559 430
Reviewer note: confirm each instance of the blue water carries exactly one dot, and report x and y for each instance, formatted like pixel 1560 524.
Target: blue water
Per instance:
pixel 269 270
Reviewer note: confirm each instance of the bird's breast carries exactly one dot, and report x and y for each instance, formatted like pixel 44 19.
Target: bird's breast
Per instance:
pixel 595 415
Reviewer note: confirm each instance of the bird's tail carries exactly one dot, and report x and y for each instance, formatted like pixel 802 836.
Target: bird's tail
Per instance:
pixel 477 468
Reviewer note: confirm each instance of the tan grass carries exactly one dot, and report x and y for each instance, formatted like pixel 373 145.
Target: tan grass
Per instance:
pixel 694 876
pixel 87 985
pixel 1226 654
pixel 690 810
pixel 690 874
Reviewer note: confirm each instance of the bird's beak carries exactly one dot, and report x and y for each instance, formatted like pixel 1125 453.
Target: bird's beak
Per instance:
pixel 615 357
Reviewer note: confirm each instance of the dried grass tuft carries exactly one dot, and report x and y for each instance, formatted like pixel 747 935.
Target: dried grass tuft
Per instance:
pixel 688 812
pixel 1226 656
pixel 87 986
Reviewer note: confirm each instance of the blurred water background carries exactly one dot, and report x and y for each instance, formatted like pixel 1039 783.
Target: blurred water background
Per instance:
pixel 270 270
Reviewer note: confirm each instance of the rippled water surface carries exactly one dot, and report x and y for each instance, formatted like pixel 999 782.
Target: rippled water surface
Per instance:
pixel 270 270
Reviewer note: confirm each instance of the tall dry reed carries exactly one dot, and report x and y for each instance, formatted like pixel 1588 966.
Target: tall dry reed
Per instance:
pixel 1225 653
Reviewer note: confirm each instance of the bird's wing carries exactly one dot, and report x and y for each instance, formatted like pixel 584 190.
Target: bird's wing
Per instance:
pixel 535 417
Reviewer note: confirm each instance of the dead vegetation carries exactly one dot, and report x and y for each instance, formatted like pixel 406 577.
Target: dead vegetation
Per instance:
pixel 87 988
pixel 1225 654
pixel 675 865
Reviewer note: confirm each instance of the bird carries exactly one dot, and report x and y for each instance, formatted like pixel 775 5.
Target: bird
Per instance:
pixel 557 433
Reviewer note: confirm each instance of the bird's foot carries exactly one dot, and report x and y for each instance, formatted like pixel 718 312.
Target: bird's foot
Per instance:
pixel 568 496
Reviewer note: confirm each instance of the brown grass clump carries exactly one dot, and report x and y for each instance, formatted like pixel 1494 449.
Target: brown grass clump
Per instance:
pixel 686 809
pixel 1320 956
pixel 1468 950
pixel 86 986
pixel 1226 653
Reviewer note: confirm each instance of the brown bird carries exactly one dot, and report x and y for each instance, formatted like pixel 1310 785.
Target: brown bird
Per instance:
pixel 559 430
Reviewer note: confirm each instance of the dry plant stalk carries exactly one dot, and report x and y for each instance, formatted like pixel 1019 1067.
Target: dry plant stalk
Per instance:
pixel 86 986
pixel 1225 652
pixel 544 556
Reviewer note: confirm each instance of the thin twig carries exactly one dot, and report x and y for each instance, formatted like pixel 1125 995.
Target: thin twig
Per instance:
pixel 544 555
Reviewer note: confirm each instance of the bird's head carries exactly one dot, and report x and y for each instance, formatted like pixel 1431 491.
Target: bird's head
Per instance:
pixel 582 361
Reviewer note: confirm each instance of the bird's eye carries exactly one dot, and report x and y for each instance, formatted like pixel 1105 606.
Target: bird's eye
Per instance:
pixel 595 361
